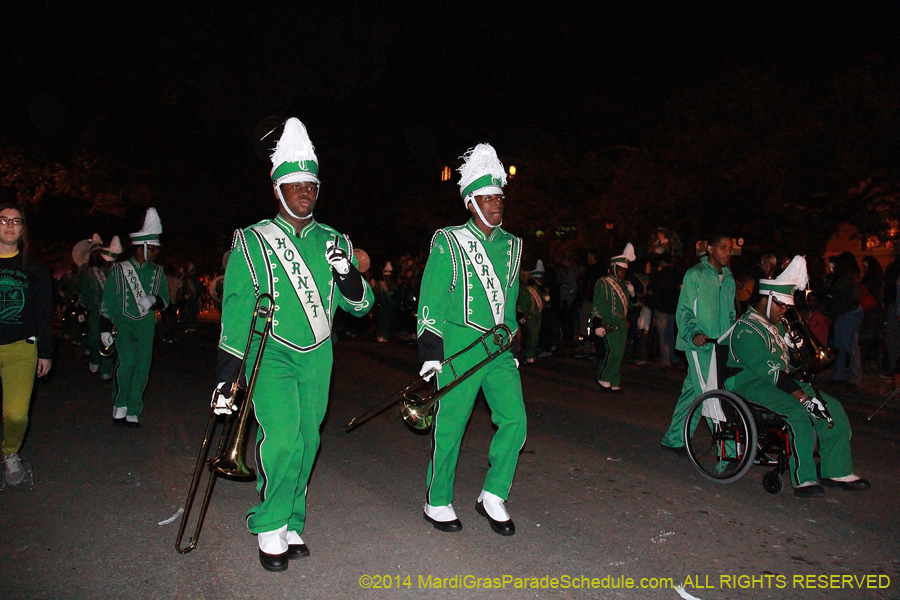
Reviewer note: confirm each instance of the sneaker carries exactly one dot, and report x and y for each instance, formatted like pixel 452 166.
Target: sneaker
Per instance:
pixel 94 367
pixel 15 472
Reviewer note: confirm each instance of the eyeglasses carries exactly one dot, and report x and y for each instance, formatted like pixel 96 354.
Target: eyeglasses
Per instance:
pixel 14 221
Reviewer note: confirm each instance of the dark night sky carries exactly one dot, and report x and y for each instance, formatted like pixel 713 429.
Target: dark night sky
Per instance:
pixel 168 95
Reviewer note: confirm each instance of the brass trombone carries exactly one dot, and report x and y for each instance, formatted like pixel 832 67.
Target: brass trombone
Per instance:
pixel 418 411
pixel 229 458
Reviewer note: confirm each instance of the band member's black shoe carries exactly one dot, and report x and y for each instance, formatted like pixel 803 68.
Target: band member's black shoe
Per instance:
pixel 809 491
pixel 132 424
pixel 119 422
pixel 297 551
pixel 501 527
pixel 447 526
pixel 851 486
pixel 273 562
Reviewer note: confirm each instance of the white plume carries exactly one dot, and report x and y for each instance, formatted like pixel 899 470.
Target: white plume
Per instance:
pixel 628 253
pixel 294 144
pixel 795 273
pixel 478 161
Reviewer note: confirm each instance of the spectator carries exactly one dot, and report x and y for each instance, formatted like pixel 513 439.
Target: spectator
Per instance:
pixel 25 334
pixel 663 291
pixel 847 313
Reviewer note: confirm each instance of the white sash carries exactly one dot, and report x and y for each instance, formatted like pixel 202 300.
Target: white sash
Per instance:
pixel 484 269
pixel 134 284
pixel 101 276
pixel 302 281
pixel 619 292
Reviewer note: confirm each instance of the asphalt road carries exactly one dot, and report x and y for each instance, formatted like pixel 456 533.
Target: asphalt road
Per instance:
pixel 594 497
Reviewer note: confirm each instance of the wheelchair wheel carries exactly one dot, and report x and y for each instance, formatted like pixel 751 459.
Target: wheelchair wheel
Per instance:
pixel 720 436
pixel 772 482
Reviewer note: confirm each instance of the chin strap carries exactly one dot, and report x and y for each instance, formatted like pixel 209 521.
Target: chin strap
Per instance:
pixel 285 206
pixel 769 308
pixel 478 211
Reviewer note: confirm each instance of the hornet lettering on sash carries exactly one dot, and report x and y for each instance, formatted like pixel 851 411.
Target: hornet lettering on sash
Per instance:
pixel 281 243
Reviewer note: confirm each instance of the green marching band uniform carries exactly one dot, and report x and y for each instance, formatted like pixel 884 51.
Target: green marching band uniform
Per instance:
pixel 471 284
pixel 612 299
pixel 531 305
pixel 291 393
pixel 126 293
pixel 90 281
pixel 705 305
pixel 760 349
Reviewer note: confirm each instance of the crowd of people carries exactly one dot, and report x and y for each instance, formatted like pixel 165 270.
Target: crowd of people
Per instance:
pixel 726 331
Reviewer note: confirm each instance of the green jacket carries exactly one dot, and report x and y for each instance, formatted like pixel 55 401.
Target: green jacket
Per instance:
pixel 704 305
pixel 758 346
pixel 611 300
pixel 272 258
pixel 128 281
pixel 89 283
pixel 470 280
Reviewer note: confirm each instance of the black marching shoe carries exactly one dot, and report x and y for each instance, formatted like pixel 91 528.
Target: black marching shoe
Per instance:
pixel 446 526
pixel 274 562
pixel 297 551
pixel 501 527
pixel 119 422
pixel 810 491
pixel 851 486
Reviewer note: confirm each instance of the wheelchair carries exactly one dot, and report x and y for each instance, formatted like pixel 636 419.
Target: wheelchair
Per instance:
pixel 725 435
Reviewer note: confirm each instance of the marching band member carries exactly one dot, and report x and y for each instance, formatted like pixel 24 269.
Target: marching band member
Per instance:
pixel 132 294
pixel 92 277
pixel 612 296
pixel 310 271
pixel 760 349
pixel 705 313
pixel 471 284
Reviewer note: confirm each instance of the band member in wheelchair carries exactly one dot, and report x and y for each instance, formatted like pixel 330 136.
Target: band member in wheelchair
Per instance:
pixel 470 284
pixel 760 349
pixel 705 313
pixel 612 297
pixel 310 271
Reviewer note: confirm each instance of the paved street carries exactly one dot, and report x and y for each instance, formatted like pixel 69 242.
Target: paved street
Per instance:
pixel 594 496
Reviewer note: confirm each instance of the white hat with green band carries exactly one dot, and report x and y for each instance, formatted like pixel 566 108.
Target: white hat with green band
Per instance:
pixel 623 259
pixel 150 232
pixel 782 288
pixel 294 159
pixel 481 174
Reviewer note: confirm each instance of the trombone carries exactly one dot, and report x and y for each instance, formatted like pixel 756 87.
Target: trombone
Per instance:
pixel 418 411
pixel 229 457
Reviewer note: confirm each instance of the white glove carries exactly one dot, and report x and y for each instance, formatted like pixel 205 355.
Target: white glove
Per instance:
pixel 106 338
pixel 337 258
pixel 790 342
pixel 517 362
pixel 815 407
pixel 432 366
pixel 600 332
pixel 220 403
pixel 630 289
pixel 146 302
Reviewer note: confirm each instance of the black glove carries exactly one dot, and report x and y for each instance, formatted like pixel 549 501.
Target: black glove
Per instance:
pixel 816 407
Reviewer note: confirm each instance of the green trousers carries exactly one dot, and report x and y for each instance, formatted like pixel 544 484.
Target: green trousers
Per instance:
pixel 531 331
pixel 93 343
pixel 134 345
pixel 834 444
pixel 503 392
pixel 290 400
pixel 611 366
pixel 18 364
pixel 696 382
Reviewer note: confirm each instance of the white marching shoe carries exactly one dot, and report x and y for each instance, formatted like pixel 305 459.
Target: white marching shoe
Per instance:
pixel 442 517
pixel 493 508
